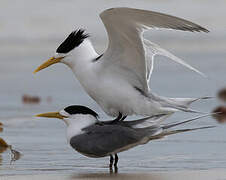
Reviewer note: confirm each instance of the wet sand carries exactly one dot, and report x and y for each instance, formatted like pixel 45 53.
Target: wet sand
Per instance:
pixel 216 174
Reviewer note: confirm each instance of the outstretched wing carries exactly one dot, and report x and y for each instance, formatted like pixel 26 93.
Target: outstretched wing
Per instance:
pixel 152 49
pixel 125 27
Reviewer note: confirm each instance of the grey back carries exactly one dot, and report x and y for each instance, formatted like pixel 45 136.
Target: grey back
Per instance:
pixel 100 140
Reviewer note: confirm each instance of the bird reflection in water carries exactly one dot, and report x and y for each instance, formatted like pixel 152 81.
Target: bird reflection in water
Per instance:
pixel 119 176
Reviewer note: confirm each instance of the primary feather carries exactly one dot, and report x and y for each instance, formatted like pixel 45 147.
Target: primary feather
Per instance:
pixel 125 27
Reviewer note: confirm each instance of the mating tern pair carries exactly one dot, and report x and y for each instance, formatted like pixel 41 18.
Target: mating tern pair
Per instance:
pixel 118 79
pixel 94 138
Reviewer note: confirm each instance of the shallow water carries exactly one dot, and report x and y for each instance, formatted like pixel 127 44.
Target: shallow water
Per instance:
pixel 42 142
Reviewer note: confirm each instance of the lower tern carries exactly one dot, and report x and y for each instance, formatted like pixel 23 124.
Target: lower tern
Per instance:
pixel 118 79
pixel 94 138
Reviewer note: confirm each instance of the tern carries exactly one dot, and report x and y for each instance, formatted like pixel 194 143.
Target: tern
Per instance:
pixel 118 79
pixel 94 138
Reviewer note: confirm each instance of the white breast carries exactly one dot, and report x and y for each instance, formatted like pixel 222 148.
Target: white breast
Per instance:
pixel 77 123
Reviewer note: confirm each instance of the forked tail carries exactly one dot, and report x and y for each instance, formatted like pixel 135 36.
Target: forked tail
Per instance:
pixel 166 129
pixel 179 104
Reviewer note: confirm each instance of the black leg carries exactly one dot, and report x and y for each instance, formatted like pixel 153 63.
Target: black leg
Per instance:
pixel 117 119
pixel 123 118
pixel 115 164
pixel 116 160
pixel 111 161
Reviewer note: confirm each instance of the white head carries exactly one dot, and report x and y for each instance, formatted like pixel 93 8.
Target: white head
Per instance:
pixel 74 50
pixel 75 117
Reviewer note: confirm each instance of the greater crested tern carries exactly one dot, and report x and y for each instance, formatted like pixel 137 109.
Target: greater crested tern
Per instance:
pixel 94 138
pixel 118 79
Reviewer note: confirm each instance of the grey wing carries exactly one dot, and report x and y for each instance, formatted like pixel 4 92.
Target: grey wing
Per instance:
pixel 103 140
pixel 147 122
pixel 125 27
pixel 151 122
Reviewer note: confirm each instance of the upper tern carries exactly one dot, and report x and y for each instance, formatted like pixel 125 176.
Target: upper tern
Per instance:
pixel 118 79
pixel 92 138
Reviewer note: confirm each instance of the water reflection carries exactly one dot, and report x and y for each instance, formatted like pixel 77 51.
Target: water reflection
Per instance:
pixel 112 176
pixel 113 170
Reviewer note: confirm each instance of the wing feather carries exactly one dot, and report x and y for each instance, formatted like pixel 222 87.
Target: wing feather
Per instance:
pixel 125 27
pixel 153 49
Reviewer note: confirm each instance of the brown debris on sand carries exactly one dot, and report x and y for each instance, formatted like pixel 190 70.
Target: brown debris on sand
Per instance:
pixel 27 99
pixel 3 144
pixel 222 94
pixel 221 116
pixel 1 128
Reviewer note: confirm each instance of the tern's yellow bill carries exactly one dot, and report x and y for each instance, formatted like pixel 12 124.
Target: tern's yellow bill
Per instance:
pixel 51 115
pixel 48 63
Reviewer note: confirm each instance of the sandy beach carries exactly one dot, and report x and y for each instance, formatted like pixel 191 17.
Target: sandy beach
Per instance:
pixel 216 174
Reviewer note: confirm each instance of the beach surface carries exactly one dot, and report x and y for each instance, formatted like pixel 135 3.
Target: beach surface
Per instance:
pixel 215 174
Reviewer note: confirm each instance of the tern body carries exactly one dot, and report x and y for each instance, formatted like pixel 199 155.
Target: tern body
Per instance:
pixel 114 89
pixel 92 138
pixel 118 80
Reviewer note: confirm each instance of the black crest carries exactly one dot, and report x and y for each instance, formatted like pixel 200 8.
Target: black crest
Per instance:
pixel 75 109
pixel 72 41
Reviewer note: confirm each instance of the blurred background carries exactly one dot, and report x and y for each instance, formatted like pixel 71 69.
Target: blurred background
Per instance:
pixel 30 32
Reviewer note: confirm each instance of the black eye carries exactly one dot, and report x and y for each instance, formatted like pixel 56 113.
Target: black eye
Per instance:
pixel 76 109
pixel 72 41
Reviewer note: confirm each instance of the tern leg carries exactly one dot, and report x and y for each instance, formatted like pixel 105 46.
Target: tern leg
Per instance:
pixel 115 164
pixel 111 161
pixel 116 160
pixel 123 118
pixel 117 119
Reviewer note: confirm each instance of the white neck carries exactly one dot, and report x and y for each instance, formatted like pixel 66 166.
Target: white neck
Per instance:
pixel 80 60
pixel 81 56
pixel 76 124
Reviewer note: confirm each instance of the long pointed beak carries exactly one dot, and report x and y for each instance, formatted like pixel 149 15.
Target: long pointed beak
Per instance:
pixel 51 115
pixel 48 63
